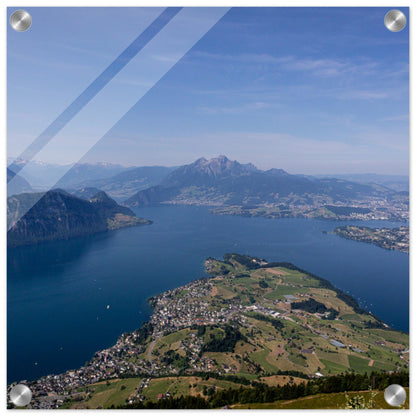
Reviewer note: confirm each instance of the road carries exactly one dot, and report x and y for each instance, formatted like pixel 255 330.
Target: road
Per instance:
pixel 150 355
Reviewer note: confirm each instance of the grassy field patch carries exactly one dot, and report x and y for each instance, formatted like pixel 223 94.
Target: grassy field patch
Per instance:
pixel 323 401
pixel 359 364
pixel 260 357
pixel 282 290
pixel 332 368
pixel 105 396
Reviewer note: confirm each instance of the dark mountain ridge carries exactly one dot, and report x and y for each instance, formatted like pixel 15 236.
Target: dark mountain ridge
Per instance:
pixel 57 215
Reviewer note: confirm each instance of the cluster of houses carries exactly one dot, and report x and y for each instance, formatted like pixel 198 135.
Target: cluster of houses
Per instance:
pixel 183 307
pixel 174 310
pixel 137 395
pixel 192 346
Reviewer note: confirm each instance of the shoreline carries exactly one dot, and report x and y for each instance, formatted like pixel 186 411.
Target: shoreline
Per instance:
pixel 152 301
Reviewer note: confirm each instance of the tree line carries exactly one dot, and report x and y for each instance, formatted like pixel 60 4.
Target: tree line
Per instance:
pixel 226 343
pixel 313 306
pixel 262 393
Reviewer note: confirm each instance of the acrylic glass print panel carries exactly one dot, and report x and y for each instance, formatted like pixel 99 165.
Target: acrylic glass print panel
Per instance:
pixel 207 208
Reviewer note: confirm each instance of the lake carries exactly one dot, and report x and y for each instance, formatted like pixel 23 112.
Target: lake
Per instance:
pixel 68 299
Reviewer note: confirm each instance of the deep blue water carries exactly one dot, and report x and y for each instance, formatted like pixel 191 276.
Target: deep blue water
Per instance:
pixel 58 292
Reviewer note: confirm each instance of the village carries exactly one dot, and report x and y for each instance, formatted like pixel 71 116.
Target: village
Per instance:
pixel 191 306
pixel 387 238
pixel 373 208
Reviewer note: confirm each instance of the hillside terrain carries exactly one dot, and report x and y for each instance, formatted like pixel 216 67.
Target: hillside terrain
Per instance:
pixel 237 189
pixel 250 322
pixel 40 174
pixel 119 182
pixel 232 188
pixel 395 182
pixel 81 172
pixel 388 238
pixel 325 401
pixel 57 215
pixel 126 183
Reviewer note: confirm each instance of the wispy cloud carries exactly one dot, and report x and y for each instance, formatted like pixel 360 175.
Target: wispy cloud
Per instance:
pixel 322 67
pixel 365 95
pixel 400 117
pixel 240 109
pixel 32 60
pixel 165 58
pixel 278 79
pixel 245 58
pixel 332 67
pixel 281 95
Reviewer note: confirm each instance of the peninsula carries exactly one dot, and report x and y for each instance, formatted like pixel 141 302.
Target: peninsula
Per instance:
pixel 388 238
pixel 252 325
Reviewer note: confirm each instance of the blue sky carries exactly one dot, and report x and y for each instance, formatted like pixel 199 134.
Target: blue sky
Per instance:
pixel 307 90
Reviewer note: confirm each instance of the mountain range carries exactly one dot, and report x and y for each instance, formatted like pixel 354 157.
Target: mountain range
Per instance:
pixel 126 183
pixel 57 215
pixel 395 182
pixel 38 173
pixel 119 182
pixel 227 186
pixel 220 181
pixel 19 184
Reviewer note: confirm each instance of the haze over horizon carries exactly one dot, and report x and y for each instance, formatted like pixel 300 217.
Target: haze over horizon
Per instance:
pixel 174 165
pixel 252 88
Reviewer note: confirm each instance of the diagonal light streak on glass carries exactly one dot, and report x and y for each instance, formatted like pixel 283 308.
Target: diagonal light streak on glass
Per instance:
pixel 96 86
pixel 99 115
